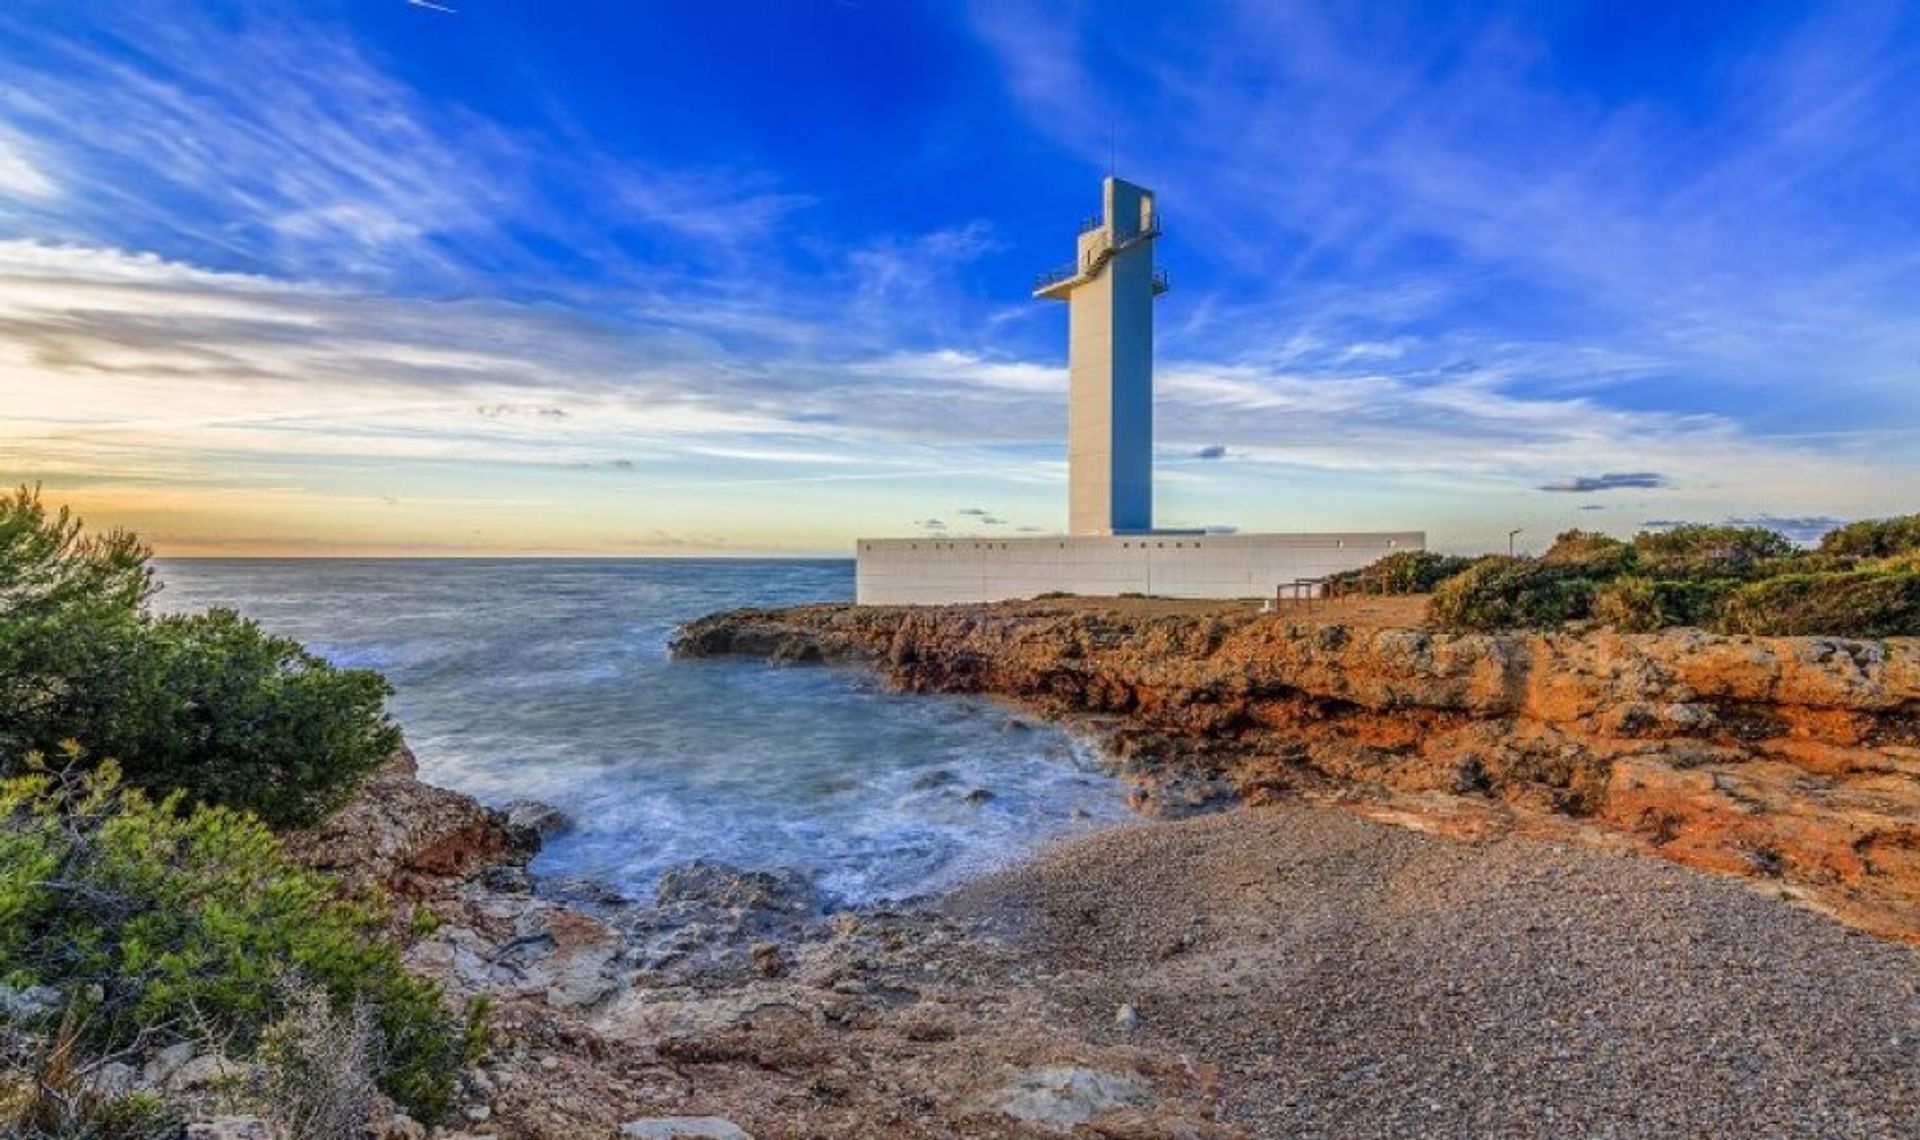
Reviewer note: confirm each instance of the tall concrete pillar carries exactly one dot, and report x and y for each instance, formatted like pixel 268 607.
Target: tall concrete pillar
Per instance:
pixel 1110 290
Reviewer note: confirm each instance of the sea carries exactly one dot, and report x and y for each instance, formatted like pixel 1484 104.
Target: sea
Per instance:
pixel 550 680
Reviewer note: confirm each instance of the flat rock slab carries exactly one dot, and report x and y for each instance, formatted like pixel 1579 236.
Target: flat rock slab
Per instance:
pixel 683 1128
pixel 1059 1097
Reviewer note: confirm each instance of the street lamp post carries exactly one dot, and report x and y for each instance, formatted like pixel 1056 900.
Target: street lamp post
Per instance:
pixel 1511 535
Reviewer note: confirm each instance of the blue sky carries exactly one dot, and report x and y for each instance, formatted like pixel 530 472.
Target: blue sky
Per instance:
pixel 753 277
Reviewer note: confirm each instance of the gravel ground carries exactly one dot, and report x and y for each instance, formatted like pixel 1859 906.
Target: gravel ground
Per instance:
pixel 1354 980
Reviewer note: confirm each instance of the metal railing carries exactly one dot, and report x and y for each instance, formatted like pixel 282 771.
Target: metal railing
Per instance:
pixel 1054 276
pixel 1100 253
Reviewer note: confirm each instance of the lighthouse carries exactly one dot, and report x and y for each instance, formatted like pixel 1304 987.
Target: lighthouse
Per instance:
pixel 1111 546
pixel 1109 290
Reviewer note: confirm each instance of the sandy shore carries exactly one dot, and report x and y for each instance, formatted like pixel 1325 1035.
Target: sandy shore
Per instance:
pixel 1354 980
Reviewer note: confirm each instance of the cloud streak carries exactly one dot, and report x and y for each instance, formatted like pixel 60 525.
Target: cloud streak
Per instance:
pixel 1612 481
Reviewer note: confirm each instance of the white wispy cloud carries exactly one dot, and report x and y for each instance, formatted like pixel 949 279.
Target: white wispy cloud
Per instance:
pixel 1382 178
pixel 20 176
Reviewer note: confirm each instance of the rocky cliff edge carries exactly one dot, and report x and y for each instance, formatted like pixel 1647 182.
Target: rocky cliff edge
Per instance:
pixel 1793 760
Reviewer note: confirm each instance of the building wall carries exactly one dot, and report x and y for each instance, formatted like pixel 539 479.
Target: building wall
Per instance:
pixel 921 571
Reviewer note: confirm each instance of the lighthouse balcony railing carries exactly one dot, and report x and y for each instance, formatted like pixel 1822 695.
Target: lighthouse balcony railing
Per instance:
pixel 1092 257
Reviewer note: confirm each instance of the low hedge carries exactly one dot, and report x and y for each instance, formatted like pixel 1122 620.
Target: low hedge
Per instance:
pixel 1707 552
pixel 1859 604
pixel 1634 604
pixel 1875 538
pixel 1499 592
pixel 1402 572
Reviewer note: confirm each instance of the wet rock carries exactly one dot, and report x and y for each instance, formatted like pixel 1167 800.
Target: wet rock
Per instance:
pixel 589 893
pixel 979 796
pixel 544 820
pixel 508 879
pixel 683 1128
pixel 708 918
pixel 934 780
pixel 716 888
pixel 1057 1098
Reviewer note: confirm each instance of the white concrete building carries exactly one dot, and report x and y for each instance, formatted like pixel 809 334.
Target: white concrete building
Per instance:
pixel 1109 290
pixel 1111 547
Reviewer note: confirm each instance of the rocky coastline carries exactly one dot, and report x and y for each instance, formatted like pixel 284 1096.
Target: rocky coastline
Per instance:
pixel 1307 964
pixel 1790 761
pixel 733 1003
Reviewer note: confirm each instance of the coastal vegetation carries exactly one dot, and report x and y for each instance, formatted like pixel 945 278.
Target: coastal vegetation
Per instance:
pixel 146 899
pixel 209 705
pixel 1863 580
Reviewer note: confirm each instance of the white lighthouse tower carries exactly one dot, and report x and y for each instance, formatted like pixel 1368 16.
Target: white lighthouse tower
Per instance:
pixel 1109 289
pixel 1111 546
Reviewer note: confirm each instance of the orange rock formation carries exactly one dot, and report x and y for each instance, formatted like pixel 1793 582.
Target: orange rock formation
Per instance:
pixel 1792 759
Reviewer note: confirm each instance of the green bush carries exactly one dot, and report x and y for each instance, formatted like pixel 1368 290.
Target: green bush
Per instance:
pixel 70 609
pixel 236 716
pixel 1402 572
pixel 209 704
pixel 1874 538
pixel 1703 552
pixel 147 915
pixel 1633 604
pixel 1498 592
pixel 1859 604
pixel 1592 553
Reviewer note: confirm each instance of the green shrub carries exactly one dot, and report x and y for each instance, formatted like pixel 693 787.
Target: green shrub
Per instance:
pixel 1633 604
pixel 1594 554
pixel 209 704
pixel 1859 604
pixel 174 915
pixel 1402 572
pixel 147 914
pixel 1629 604
pixel 1498 592
pixel 70 608
pixel 1874 538
pixel 236 716
pixel 1698 551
